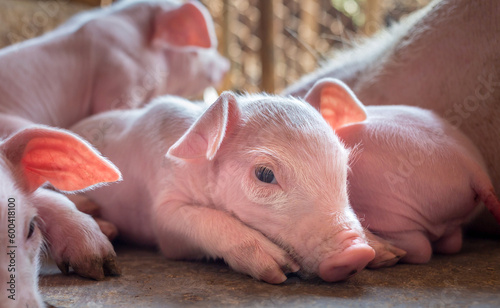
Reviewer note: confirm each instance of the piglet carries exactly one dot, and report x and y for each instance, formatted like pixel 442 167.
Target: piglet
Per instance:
pixel 415 179
pixel 110 58
pixel 28 159
pixel 118 57
pixel 444 58
pixel 257 180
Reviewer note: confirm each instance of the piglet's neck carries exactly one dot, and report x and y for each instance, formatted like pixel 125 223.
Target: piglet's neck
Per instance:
pixel 189 181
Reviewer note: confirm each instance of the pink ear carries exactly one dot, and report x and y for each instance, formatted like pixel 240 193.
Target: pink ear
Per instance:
pixel 205 136
pixel 44 154
pixel 184 26
pixel 336 102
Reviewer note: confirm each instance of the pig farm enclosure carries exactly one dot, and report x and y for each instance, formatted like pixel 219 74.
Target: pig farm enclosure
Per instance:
pixel 270 44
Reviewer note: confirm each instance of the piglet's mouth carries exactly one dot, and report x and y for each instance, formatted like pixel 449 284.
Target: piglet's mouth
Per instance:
pixel 303 272
pixel 310 276
pixel 336 267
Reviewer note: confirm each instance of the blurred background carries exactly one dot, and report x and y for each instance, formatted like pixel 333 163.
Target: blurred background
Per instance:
pixel 270 43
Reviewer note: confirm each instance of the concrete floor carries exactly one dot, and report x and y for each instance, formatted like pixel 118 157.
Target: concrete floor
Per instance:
pixel 468 279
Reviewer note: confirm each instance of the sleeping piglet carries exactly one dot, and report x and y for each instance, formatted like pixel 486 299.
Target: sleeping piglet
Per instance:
pixel 257 180
pixel 28 212
pixel 415 179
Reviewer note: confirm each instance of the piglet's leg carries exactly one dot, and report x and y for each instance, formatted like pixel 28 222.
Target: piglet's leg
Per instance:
pixel 491 201
pixel 416 244
pixel 386 254
pixel 85 205
pixel 450 243
pixel 188 231
pixel 73 238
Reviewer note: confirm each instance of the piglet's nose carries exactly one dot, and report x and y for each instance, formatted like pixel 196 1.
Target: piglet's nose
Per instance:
pixel 344 265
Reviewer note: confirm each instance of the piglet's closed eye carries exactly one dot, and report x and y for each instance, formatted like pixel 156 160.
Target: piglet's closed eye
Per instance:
pixel 336 102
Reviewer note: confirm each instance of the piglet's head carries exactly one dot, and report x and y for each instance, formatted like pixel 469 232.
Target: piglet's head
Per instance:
pixel 277 166
pixel 28 159
pixel 186 35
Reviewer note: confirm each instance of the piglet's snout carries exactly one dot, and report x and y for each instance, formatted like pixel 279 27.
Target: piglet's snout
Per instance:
pixel 347 263
pixel 218 70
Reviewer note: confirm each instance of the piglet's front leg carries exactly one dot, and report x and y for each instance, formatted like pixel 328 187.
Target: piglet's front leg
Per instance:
pixel 74 238
pixel 189 232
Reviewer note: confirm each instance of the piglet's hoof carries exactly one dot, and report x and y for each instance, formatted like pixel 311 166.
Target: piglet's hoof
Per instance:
pixel 48 305
pixel 77 242
pixel 87 206
pixel 97 268
pixel 386 254
pixel 109 229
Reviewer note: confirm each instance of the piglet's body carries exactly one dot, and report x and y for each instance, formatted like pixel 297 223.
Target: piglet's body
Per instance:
pixel 415 179
pixel 243 180
pixel 118 57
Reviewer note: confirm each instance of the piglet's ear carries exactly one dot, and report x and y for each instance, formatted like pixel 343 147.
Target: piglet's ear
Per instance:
pixel 205 136
pixel 40 154
pixel 336 102
pixel 189 25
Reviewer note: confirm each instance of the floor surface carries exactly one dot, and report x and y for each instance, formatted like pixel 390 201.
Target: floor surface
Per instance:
pixel 468 279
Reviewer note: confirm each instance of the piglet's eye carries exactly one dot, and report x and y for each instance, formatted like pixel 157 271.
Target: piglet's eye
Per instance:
pixel 265 175
pixel 32 228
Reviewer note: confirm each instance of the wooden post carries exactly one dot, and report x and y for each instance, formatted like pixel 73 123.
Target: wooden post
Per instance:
pixel 106 2
pixel 373 17
pixel 226 21
pixel 308 33
pixel 89 2
pixel 266 33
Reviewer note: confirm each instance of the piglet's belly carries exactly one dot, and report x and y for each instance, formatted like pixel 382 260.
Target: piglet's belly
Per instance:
pixel 134 225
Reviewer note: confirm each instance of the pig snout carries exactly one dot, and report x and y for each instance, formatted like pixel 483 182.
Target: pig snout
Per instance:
pixel 217 69
pixel 347 263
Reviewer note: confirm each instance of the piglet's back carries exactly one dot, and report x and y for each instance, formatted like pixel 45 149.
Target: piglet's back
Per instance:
pixel 417 157
pixel 136 142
